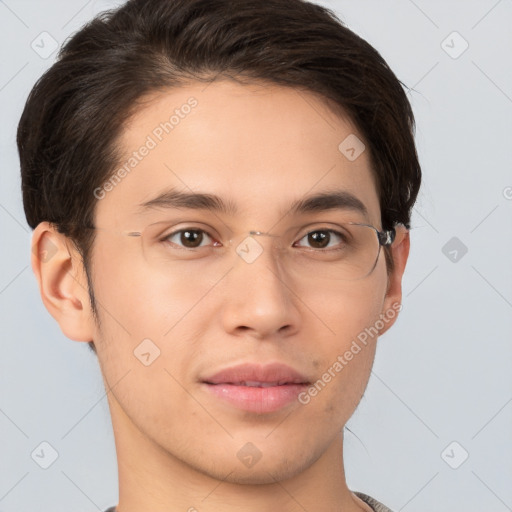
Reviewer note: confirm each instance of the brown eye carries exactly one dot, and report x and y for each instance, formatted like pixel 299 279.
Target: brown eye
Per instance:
pixel 319 239
pixel 322 238
pixel 188 238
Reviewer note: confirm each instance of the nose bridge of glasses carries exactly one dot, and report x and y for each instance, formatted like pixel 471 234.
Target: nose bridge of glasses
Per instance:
pixel 250 245
pixel 261 233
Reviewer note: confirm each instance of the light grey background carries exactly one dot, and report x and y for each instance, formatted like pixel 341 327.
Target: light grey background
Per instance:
pixel 442 373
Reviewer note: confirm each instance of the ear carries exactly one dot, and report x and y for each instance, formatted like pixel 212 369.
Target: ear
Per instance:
pixel 393 299
pixel 62 281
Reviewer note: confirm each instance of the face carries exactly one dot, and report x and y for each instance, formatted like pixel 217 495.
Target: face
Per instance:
pixel 168 323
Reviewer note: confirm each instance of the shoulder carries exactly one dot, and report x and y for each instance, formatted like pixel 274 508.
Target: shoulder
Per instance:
pixel 376 505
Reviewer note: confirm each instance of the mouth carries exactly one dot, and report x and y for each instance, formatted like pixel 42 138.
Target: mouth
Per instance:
pixel 256 388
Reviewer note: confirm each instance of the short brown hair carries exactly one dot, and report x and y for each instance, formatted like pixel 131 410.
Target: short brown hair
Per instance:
pixel 76 111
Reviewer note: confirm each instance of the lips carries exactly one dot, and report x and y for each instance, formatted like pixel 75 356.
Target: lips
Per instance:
pixel 257 389
pixel 254 375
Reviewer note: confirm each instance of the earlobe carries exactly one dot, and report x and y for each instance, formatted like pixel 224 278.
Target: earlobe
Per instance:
pixel 393 298
pixel 62 282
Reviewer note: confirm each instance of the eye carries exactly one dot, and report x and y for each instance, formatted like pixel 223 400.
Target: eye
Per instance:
pixel 189 238
pixel 322 238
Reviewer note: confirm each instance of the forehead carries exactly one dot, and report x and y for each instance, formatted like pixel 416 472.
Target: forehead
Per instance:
pixel 259 147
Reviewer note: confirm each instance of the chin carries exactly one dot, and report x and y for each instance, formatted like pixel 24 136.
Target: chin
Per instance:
pixel 258 477
pixel 264 472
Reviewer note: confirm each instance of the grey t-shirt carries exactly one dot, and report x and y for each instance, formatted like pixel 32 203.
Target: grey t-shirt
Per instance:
pixel 376 506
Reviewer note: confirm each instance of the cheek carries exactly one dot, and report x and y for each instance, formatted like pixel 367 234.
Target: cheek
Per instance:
pixel 141 342
pixel 344 322
pixel 150 329
pixel 344 364
pixel 134 301
pixel 340 312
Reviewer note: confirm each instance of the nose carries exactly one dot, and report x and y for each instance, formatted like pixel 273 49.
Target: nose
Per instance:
pixel 259 299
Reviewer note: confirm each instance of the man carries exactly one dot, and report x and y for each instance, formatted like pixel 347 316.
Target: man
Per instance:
pixel 220 193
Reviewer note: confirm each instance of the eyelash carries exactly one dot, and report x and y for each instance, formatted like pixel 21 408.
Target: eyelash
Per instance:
pixel 166 238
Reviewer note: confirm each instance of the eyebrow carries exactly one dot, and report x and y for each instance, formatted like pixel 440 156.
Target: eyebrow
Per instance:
pixel 320 202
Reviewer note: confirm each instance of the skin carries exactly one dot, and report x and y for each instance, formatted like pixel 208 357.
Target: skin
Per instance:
pixel 261 147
